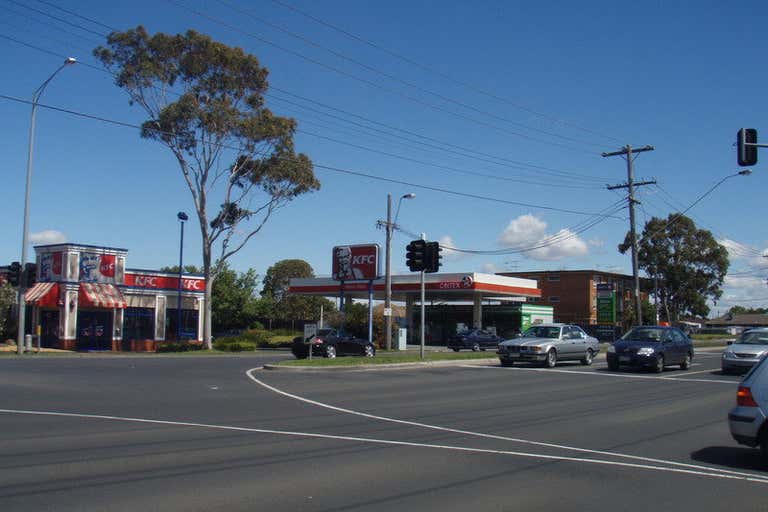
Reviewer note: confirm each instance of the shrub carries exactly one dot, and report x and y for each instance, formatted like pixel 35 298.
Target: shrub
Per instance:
pixel 234 345
pixel 258 326
pixel 178 346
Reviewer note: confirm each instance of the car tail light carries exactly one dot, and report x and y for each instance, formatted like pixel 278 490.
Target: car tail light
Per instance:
pixel 744 397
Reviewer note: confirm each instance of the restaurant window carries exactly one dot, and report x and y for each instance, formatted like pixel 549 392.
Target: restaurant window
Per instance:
pixel 189 320
pixel 138 324
pixel 554 298
pixel 553 277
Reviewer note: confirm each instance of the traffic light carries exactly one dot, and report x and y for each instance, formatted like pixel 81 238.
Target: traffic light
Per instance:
pixel 746 154
pixel 432 257
pixel 415 255
pixel 30 275
pixel 14 273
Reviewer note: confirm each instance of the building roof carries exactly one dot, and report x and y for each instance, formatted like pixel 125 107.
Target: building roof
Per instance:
pixel 739 319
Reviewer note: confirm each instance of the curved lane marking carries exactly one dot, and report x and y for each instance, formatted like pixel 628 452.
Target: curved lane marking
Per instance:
pixel 560 458
pixel 690 467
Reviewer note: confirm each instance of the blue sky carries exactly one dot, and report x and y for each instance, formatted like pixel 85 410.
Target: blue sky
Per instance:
pixel 550 85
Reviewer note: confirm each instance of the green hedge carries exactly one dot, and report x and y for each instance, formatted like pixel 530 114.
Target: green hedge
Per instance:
pixel 178 346
pixel 234 345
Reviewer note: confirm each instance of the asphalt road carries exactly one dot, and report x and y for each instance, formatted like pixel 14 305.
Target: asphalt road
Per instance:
pixel 204 433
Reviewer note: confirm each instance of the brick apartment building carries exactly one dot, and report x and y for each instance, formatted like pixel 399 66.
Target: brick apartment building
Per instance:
pixel 573 293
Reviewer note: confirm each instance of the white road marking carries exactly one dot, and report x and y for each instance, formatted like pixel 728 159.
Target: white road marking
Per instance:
pixel 600 374
pixel 697 467
pixel 706 472
pixel 692 373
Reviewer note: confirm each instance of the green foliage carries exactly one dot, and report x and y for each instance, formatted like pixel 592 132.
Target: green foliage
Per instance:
pixel 291 307
pixel 228 145
pixel 234 346
pixel 7 294
pixel 688 262
pixel 173 346
pixel 741 310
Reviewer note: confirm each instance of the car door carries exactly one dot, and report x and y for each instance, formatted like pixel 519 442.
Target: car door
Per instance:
pixel 670 347
pixel 565 346
pixel 579 339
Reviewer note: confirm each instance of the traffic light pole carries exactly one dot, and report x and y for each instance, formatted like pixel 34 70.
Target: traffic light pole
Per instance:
pixel 421 326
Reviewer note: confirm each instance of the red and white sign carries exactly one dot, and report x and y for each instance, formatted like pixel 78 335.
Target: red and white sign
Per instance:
pixel 156 282
pixel 356 262
pixel 107 265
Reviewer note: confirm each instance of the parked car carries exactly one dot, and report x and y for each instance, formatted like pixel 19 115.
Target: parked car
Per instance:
pixel 549 343
pixel 474 339
pixel 651 347
pixel 746 352
pixel 331 343
pixel 748 420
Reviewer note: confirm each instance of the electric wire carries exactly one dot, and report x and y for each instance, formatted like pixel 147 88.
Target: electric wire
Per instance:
pixel 396 78
pixel 439 73
pixel 320 166
pixel 372 83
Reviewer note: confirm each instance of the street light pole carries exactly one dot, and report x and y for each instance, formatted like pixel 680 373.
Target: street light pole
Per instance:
pixel 25 233
pixel 388 269
pixel 182 217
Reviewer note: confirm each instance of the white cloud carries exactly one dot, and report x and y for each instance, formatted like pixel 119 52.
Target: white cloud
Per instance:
pixel 47 237
pixel 530 231
pixel 490 268
pixel 447 254
pixel 744 253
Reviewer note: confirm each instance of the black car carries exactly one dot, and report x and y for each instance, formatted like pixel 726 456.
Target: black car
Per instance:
pixel 651 347
pixel 474 339
pixel 330 343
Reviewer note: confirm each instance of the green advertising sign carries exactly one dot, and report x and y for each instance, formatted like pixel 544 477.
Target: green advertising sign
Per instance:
pixel 606 304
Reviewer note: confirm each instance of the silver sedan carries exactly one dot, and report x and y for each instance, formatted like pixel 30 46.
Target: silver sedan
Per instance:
pixel 549 343
pixel 746 352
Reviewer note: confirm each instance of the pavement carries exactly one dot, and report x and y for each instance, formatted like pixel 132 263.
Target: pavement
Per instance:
pixel 219 433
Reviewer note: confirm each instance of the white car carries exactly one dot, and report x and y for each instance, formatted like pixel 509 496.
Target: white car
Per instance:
pixel 549 343
pixel 746 352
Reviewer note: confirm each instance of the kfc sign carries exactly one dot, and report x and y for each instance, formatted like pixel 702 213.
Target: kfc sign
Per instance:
pixel 356 262
pixel 164 282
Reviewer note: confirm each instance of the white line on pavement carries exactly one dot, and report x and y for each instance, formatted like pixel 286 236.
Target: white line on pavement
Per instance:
pixel 706 472
pixel 250 375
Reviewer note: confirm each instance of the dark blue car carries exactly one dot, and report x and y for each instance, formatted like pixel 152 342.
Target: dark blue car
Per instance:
pixel 651 347
pixel 474 340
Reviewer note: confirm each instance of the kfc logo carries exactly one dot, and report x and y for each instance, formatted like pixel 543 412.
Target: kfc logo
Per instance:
pixel 355 262
pixel 107 265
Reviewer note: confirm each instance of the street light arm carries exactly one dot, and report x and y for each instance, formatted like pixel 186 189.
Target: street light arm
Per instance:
pixel 39 91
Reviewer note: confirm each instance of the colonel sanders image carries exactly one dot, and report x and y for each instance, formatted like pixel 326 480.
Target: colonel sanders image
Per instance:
pixel 344 270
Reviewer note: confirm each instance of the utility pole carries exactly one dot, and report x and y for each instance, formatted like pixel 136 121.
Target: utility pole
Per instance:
pixel 630 185
pixel 388 279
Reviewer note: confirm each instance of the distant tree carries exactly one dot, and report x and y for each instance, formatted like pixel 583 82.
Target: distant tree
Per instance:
pixel 205 103
pixel 234 297
pixel 292 307
pixel 741 310
pixel 7 299
pixel 689 263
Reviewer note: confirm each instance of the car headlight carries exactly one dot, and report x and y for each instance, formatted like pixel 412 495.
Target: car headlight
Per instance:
pixel 611 349
pixel 645 351
pixel 536 349
pixel 727 354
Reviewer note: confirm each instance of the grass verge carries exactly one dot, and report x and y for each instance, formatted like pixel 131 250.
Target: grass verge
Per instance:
pixel 389 358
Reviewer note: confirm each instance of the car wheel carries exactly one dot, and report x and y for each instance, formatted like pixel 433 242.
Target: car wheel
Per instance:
pixel 659 364
pixel 588 357
pixel 686 362
pixel 764 445
pixel 330 352
pixel 613 366
pixel 368 351
pixel 475 347
pixel 455 350
pixel 551 359
pixel 507 364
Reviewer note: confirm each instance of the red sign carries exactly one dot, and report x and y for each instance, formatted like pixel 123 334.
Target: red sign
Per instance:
pixel 356 262
pixel 165 282
pixel 107 265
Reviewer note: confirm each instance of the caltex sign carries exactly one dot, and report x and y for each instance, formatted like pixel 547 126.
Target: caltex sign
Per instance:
pixel 356 262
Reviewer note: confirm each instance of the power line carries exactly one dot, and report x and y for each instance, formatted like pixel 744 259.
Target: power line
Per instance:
pixel 372 83
pixel 397 78
pixel 320 166
pixel 439 73
pixel 66 22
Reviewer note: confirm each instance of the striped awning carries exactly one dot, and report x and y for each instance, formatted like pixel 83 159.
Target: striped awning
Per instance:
pixel 43 295
pixel 99 295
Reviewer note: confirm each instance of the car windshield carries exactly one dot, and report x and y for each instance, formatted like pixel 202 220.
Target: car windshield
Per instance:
pixel 326 332
pixel 644 334
pixel 542 332
pixel 754 338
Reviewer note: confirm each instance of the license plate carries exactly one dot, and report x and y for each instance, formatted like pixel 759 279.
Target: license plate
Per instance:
pixel 624 359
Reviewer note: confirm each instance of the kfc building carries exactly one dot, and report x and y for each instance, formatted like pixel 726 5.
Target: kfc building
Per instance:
pixel 86 299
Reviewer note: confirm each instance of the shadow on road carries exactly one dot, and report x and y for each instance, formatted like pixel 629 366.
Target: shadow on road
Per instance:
pixel 733 457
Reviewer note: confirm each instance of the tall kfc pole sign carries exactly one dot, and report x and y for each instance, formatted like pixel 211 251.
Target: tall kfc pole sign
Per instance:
pixel 357 263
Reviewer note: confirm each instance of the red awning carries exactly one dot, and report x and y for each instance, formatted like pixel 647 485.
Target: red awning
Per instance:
pixel 98 295
pixel 43 295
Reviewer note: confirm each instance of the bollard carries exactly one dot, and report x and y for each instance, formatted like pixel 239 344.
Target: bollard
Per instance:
pixel 28 342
